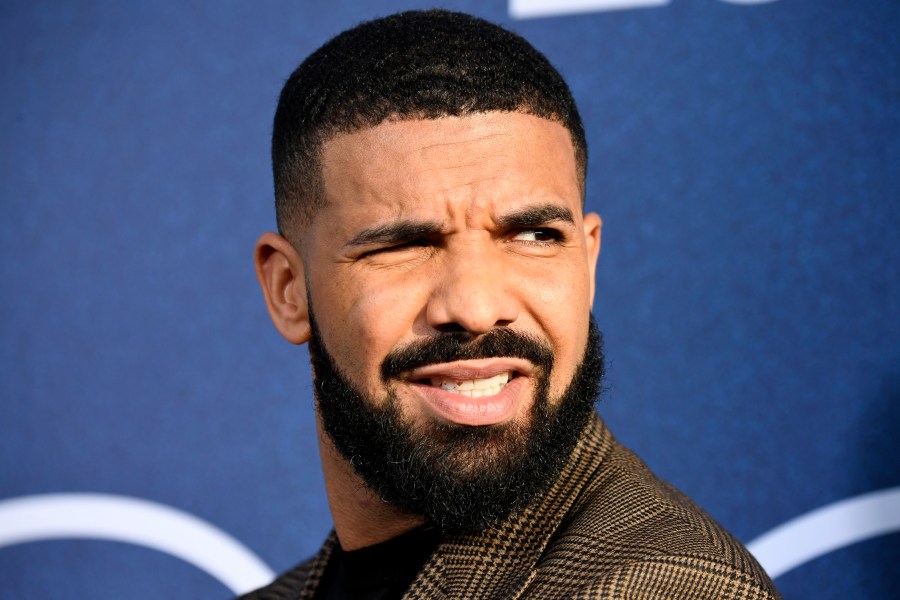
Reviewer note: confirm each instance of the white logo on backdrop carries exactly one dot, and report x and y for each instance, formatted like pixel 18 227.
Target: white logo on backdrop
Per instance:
pixel 135 521
pixel 144 523
pixel 528 9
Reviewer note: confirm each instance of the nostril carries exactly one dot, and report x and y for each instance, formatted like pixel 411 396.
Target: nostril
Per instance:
pixel 457 328
pixel 450 328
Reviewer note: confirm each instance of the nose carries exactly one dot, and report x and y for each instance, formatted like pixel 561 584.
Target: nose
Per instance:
pixel 473 293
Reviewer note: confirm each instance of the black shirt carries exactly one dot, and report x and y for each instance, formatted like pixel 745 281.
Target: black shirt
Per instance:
pixel 380 572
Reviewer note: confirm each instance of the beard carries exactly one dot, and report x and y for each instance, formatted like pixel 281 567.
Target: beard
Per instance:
pixel 459 477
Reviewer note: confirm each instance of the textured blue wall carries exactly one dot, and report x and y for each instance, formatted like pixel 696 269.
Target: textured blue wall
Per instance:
pixel 746 161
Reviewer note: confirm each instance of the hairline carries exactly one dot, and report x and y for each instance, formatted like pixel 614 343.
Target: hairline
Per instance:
pixel 301 220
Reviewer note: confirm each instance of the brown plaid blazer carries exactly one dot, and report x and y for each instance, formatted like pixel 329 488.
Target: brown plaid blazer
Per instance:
pixel 607 528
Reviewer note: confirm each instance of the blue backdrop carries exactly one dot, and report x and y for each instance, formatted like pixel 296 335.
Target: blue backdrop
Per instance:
pixel 745 157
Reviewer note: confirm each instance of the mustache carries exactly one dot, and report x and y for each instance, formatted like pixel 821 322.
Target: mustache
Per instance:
pixel 459 345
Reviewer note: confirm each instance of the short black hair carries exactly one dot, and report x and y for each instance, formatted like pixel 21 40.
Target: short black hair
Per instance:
pixel 411 65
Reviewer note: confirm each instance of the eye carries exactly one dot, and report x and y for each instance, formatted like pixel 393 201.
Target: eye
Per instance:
pixel 538 235
pixel 416 244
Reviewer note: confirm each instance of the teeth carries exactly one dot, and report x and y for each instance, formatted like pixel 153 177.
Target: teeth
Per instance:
pixel 474 388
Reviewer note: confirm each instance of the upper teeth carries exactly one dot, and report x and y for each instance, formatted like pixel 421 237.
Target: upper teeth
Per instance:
pixel 474 388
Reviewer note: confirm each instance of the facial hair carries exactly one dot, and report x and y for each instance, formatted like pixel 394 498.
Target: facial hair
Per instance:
pixel 459 477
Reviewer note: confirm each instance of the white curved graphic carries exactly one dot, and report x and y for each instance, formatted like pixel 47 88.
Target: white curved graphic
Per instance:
pixel 528 9
pixel 135 521
pixel 827 529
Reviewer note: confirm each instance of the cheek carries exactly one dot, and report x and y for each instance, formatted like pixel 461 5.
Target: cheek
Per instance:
pixel 556 294
pixel 559 300
pixel 364 320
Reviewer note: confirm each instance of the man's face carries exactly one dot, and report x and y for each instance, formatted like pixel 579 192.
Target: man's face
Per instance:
pixel 454 229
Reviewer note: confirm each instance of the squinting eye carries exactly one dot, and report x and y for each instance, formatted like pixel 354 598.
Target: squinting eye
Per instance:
pixel 399 247
pixel 537 235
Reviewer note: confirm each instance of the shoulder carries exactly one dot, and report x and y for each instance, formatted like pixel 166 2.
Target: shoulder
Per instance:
pixel 286 586
pixel 300 582
pixel 631 534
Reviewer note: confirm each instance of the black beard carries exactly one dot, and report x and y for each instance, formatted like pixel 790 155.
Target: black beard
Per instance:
pixel 460 478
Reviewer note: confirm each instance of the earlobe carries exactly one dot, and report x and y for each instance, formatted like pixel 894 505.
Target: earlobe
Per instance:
pixel 279 269
pixel 593 226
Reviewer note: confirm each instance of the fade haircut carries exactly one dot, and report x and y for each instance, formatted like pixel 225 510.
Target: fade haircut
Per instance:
pixel 412 65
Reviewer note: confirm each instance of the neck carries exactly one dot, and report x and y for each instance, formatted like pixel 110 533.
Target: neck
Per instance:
pixel 360 517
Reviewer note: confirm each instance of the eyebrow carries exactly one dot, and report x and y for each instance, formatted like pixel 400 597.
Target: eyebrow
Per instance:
pixel 535 216
pixel 397 232
pixel 406 230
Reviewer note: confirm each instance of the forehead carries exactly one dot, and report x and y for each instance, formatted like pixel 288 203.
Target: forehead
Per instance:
pixel 486 162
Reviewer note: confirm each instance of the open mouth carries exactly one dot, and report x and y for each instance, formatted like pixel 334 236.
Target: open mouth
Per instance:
pixel 473 388
pixel 473 392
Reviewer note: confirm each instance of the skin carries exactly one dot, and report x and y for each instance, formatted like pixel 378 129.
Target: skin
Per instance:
pixel 453 224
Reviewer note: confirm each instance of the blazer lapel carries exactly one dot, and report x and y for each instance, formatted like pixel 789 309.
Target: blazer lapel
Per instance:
pixel 317 568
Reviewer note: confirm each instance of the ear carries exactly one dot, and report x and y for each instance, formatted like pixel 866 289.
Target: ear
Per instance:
pixel 279 269
pixel 593 225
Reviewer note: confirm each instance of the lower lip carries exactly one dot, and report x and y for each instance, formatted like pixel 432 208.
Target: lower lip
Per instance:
pixel 463 410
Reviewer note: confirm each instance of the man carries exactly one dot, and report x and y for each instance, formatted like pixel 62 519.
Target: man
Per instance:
pixel 433 251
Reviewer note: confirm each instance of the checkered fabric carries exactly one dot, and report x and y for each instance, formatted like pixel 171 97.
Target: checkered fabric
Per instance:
pixel 607 528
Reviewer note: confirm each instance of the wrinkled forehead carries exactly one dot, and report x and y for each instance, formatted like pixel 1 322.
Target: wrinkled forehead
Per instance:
pixel 485 160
